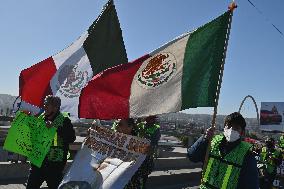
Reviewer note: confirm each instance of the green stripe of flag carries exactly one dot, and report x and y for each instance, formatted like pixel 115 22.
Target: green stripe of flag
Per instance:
pixel 104 45
pixel 202 63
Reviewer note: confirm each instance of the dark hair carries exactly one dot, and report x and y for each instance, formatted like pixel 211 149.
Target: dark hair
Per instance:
pixel 151 119
pixel 270 140
pixel 53 100
pixel 235 119
pixel 131 122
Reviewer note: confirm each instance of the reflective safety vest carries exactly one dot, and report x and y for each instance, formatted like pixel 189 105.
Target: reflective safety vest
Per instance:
pixel 281 142
pixel 56 152
pixel 223 171
pixel 270 164
pixel 147 132
pixel 57 140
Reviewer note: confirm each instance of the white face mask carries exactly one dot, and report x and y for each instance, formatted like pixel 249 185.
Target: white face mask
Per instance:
pixel 231 135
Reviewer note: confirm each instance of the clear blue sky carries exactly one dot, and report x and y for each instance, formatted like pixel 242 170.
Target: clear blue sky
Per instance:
pixel 33 30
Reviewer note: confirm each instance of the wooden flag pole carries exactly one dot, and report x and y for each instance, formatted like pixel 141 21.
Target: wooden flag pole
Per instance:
pixel 231 8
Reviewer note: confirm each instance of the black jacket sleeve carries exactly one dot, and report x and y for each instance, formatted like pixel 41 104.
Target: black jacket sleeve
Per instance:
pixel 249 174
pixel 67 132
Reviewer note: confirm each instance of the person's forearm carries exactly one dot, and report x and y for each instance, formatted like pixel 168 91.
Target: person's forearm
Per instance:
pixel 70 137
pixel 68 134
pixel 197 151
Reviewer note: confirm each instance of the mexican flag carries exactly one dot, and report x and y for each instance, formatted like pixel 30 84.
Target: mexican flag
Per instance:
pixel 181 74
pixel 67 72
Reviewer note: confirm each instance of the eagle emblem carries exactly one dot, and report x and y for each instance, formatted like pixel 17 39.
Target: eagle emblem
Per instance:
pixel 71 80
pixel 159 69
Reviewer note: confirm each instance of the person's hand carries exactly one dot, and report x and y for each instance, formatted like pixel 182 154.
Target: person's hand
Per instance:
pixel 209 133
pixel 144 149
pixel 87 141
pixel 89 130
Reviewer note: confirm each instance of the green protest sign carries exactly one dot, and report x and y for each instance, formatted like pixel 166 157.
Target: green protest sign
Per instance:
pixel 30 137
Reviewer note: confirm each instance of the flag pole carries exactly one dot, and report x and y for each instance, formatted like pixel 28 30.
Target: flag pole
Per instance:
pixel 231 8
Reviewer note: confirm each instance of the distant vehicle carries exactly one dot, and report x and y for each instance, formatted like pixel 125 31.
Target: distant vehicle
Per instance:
pixel 270 118
pixel 250 140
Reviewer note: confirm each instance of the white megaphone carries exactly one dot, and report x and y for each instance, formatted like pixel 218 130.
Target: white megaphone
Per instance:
pixel 20 105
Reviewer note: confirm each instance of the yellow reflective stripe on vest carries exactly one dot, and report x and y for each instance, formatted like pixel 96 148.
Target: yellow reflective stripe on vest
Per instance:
pixel 55 139
pixel 223 171
pixel 55 142
pixel 208 169
pixel 227 176
pixel 66 114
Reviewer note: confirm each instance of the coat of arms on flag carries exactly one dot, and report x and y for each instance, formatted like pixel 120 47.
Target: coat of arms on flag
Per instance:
pixel 158 70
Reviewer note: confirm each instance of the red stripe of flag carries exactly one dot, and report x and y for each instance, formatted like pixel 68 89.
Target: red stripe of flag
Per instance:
pixel 35 82
pixel 107 95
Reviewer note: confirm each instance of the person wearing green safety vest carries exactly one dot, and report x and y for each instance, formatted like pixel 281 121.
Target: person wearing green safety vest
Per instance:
pixel 52 167
pixel 231 164
pixel 270 158
pixel 148 129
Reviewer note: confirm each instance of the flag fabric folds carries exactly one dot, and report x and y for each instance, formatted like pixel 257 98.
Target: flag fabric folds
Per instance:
pixel 67 72
pixel 184 73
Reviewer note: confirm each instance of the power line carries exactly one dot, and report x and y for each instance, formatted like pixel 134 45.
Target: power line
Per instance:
pixel 266 18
